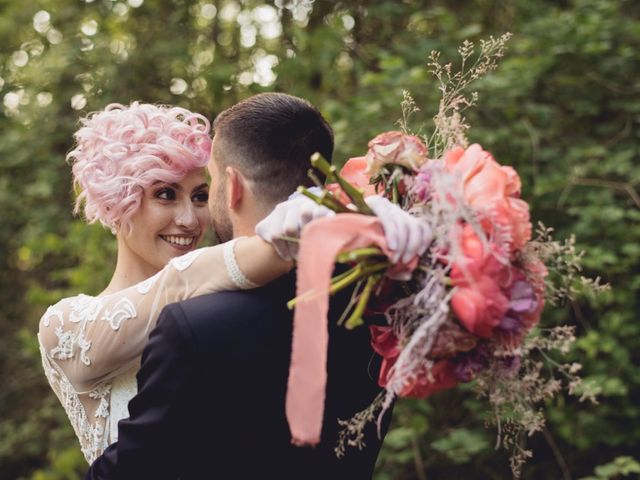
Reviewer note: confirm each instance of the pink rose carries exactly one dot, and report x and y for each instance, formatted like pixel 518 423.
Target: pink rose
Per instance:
pixel 395 147
pixel 354 172
pixel 479 305
pixel 492 190
pixel 479 302
pixel 493 299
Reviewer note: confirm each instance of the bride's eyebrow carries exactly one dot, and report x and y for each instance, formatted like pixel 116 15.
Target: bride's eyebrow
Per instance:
pixel 175 186
pixel 200 187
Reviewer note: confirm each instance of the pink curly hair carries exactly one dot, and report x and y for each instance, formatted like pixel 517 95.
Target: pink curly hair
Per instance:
pixel 122 150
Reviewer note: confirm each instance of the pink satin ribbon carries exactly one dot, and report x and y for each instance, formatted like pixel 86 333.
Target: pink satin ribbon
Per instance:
pixel 320 242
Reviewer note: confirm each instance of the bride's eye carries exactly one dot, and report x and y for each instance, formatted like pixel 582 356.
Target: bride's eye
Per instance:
pixel 166 194
pixel 200 197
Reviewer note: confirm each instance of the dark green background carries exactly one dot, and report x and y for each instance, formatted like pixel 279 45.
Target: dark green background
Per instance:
pixel 563 108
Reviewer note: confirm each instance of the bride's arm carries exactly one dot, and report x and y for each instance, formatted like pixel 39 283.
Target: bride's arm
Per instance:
pixel 93 338
pixel 259 261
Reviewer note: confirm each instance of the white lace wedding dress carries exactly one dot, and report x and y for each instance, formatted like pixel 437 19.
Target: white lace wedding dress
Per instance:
pixel 91 346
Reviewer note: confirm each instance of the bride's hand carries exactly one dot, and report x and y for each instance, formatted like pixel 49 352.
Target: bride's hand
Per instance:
pixel 407 236
pixel 287 220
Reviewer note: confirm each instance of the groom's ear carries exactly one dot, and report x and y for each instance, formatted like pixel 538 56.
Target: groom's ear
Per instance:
pixel 237 186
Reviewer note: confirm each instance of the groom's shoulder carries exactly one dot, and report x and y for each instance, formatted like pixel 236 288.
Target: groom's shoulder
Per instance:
pixel 230 314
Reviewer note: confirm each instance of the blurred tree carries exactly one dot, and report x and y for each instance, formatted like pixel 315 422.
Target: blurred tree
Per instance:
pixel 563 108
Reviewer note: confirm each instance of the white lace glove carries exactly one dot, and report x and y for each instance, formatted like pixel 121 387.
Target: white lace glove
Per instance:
pixel 288 219
pixel 407 236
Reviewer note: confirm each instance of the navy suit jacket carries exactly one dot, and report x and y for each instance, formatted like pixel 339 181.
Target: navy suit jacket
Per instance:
pixel 211 395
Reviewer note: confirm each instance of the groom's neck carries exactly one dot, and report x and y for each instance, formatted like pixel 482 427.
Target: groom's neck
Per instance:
pixel 244 225
pixel 248 213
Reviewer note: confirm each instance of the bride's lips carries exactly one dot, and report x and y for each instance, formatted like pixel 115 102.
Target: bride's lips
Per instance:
pixel 180 242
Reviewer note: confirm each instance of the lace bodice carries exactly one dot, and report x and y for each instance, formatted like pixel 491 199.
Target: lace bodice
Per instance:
pixel 91 346
pixel 123 388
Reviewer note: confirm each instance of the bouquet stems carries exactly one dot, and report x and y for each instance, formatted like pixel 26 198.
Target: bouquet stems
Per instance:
pixel 355 319
pixel 360 271
pixel 331 172
pixel 359 254
pixel 326 199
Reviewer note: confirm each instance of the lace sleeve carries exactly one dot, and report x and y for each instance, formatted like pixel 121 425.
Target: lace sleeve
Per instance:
pixel 91 339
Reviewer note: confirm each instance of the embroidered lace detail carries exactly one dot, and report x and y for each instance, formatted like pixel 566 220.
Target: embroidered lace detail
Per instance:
pixel 92 431
pixel 123 310
pixel 64 350
pixel 91 434
pixel 144 287
pixel 91 346
pixel 183 262
pixel 84 308
pixel 51 313
pixel 237 277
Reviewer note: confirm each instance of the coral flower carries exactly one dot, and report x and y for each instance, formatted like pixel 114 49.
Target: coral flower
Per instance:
pixel 493 191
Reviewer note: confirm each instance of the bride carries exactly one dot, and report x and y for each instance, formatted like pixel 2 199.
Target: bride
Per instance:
pixel 140 172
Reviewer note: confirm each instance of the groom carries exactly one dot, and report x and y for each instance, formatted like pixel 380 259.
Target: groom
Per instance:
pixel 213 380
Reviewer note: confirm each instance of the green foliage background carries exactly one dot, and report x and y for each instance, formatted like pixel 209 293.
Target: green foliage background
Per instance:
pixel 563 108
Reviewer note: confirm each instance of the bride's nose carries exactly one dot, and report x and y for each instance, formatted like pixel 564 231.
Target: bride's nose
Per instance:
pixel 186 216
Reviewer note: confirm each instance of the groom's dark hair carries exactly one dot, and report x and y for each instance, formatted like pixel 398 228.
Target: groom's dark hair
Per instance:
pixel 270 138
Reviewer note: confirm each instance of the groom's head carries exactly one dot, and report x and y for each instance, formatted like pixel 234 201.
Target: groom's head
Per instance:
pixel 260 154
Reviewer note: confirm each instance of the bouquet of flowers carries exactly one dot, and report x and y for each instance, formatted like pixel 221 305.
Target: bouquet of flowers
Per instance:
pixel 466 309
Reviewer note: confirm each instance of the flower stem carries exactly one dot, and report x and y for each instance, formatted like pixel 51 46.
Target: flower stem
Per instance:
pixel 326 199
pixel 343 280
pixel 355 194
pixel 355 320
pixel 331 172
pixel 359 254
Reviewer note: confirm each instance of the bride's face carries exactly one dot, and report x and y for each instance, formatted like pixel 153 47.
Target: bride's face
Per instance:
pixel 171 221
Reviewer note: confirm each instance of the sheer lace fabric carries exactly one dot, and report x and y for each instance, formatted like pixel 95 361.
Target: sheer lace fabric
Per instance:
pixel 91 346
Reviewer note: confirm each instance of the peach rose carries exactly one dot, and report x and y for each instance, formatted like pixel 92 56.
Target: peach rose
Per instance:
pixel 493 190
pixel 395 147
pixel 354 171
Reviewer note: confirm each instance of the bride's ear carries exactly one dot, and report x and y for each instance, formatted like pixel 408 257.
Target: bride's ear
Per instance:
pixel 236 187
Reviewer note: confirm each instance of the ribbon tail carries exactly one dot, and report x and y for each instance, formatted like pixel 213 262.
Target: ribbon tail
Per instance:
pixel 320 242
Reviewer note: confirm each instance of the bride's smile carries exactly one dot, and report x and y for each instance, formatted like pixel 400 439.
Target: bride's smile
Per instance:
pixel 181 242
